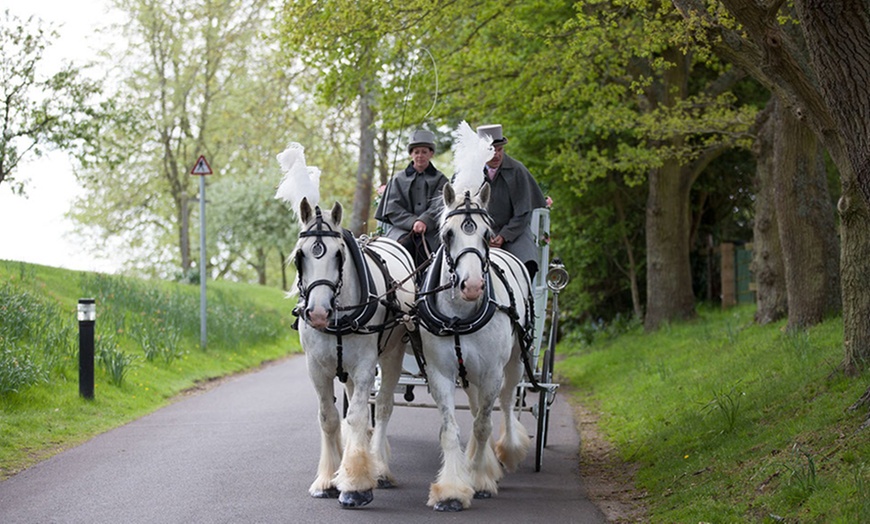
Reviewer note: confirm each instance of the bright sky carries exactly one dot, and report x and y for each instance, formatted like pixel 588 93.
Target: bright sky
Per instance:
pixel 34 229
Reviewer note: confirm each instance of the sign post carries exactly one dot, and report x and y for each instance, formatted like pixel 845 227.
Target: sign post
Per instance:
pixel 201 168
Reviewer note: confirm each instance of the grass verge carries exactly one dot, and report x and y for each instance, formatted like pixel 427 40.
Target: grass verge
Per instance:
pixel 728 421
pixel 147 345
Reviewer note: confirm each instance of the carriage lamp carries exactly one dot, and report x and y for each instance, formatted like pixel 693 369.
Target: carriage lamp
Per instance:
pixel 87 316
pixel 557 276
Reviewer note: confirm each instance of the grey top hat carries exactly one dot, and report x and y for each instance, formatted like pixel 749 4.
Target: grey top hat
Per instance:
pixel 494 132
pixel 421 137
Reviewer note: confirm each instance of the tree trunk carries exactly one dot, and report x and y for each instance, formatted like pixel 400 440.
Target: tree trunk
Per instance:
pixel 283 270
pixel 669 275
pixel 362 197
pixel 384 158
pixel 184 231
pixel 805 217
pixel 855 277
pixel 631 271
pixel 767 265
pixel 260 266
pixel 836 35
pixel 669 293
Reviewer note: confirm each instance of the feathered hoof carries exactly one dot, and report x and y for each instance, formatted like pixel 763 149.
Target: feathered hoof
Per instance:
pixel 329 493
pixel 385 483
pixel 483 494
pixel 355 499
pixel 451 505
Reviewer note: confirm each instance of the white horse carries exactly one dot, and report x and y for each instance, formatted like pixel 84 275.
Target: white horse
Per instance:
pixel 352 301
pixel 476 310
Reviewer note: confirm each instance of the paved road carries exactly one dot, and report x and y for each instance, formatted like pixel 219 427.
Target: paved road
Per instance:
pixel 246 452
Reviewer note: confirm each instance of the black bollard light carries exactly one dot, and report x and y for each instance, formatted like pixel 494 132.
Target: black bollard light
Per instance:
pixel 87 315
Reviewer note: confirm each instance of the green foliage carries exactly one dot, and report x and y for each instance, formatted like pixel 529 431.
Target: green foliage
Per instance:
pixel 726 405
pixel 146 350
pixel 772 438
pixel 249 222
pixel 115 362
pixel 199 79
pixel 34 340
pixel 39 110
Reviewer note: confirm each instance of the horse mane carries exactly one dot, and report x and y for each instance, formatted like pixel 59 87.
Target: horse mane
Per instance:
pixel 299 181
pixel 470 155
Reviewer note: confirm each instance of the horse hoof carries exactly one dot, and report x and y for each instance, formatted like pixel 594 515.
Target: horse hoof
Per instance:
pixel 385 483
pixel 451 505
pixel 355 499
pixel 328 493
pixel 483 494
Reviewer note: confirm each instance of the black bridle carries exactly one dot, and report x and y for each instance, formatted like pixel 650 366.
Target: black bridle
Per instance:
pixel 469 227
pixel 319 231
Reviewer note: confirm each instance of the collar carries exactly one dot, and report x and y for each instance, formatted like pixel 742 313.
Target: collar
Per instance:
pixel 430 170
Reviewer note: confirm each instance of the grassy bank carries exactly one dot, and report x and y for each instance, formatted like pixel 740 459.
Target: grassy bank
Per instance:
pixel 730 421
pixel 147 350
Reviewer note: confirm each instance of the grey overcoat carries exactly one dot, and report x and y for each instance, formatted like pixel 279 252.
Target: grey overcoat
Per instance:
pixel 514 195
pixel 411 196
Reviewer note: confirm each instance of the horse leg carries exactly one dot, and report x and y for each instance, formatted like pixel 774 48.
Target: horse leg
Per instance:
pixel 514 444
pixel 483 464
pixel 452 490
pixel 391 369
pixel 355 477
pixel 330 438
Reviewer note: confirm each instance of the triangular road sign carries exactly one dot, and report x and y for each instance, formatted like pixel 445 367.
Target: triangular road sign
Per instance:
pixel 201 167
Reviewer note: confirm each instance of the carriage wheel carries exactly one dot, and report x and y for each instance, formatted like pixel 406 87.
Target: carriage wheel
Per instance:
pixel 543 410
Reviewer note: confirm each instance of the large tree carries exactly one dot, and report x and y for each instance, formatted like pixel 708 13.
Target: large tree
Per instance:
pixel 825 88
pixel 39 109
pixel 187 79
pixel 590 90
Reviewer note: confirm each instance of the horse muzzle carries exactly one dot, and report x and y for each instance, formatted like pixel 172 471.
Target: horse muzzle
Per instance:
pixel 317 317
pixel 471 289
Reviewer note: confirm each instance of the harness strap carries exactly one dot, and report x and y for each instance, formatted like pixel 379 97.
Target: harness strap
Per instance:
pixel 440 324
pixel 360 314
pixel 463 374
pixel 339 367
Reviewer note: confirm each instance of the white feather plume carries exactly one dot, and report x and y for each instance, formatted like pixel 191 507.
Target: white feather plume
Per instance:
pixel 470 154
pixel 300 181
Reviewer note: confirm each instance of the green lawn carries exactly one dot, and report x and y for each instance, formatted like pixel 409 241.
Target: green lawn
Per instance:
pixel 730 421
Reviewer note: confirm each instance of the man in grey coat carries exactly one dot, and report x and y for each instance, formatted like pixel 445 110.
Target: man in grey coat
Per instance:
pixel 410 203
pixel 514 194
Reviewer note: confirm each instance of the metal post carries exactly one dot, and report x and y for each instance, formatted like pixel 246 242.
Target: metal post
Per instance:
pixel 87 316
pixel 202 259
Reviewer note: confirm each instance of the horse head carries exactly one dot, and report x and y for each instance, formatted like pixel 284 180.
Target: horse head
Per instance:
pixel 319 256
pixel 466 229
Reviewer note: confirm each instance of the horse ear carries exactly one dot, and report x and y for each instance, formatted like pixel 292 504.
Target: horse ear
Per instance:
pixel 484 195
pixel 336 214
pixel 304 211
pixel 449 195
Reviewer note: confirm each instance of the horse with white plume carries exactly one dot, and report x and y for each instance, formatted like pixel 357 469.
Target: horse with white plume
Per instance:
pixel 354 297
pixel 475 305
